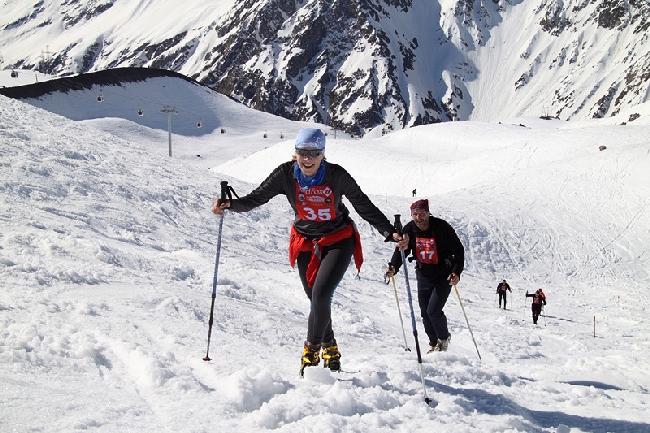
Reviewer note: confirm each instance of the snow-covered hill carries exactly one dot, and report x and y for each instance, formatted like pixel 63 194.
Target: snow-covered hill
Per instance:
pixel 107 250
pixel 363 66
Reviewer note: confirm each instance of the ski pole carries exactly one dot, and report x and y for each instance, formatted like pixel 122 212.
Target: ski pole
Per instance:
pixel 225 192
pixel 408 349
pixel 398 227
pixel 467 321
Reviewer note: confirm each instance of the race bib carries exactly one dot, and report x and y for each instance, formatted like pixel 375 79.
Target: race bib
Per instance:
pixel 315 203
pixel 426 251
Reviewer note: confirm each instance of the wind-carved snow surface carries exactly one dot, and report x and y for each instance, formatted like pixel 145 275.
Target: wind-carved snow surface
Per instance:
pixel 107 254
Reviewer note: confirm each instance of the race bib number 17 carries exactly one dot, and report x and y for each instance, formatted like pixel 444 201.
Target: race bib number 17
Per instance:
pixel 426 251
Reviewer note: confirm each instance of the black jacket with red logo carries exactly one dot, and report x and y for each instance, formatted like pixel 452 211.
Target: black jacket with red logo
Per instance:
pixel 283 181
pixel 451 253
pixel 502 287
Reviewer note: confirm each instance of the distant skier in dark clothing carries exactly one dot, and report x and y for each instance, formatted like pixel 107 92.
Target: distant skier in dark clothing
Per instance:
pixel 323 237
pixel 414 193
pixel 440 258
pixel 502 290
pixel 539 299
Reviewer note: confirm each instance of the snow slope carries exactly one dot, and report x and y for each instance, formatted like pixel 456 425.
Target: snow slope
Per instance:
pixel 107 253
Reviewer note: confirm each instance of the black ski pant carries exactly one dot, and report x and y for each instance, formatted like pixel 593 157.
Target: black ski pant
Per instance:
pixel 537 309
pixel 335 260
pixel 502 295
pixel 432 299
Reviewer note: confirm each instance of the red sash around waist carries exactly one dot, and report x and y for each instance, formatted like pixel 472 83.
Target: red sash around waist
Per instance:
pixel 298 243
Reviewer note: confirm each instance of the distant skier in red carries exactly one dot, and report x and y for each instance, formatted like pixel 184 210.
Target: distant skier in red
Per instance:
pixel 539 299
pixel 502 290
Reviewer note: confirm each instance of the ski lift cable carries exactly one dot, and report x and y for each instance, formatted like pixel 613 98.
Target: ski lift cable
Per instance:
pixel 103 91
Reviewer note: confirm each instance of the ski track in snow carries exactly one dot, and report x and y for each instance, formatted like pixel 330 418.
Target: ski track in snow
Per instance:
pixel 107 258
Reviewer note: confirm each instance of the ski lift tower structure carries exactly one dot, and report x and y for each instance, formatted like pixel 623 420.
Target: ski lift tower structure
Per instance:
pixel 169 110
pixel 46 61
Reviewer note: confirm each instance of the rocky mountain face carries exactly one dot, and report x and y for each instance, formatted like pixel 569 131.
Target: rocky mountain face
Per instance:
pixel 609 37
pixel 335 62
pixel 363 66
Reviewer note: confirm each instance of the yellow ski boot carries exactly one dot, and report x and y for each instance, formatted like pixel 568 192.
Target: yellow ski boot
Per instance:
pixel 331 356
pixel 310 356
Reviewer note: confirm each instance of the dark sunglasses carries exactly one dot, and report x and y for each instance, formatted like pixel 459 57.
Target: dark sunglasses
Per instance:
pixel 307 152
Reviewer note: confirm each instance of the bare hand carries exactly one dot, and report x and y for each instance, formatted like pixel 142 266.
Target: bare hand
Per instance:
pixel 403 243
pixel 453 279
pixel 218 207
pixel 390 271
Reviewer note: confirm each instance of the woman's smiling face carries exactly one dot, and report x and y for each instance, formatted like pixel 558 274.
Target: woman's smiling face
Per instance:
pixel 309 164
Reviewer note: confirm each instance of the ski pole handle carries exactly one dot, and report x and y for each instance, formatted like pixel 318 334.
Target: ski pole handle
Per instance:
pixel 398 224
pixel 224 190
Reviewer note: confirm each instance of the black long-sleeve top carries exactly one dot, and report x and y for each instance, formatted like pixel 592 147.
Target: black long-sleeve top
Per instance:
pixel 537 298
pixel 283 181
pixel 451 253
pixel 502 287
